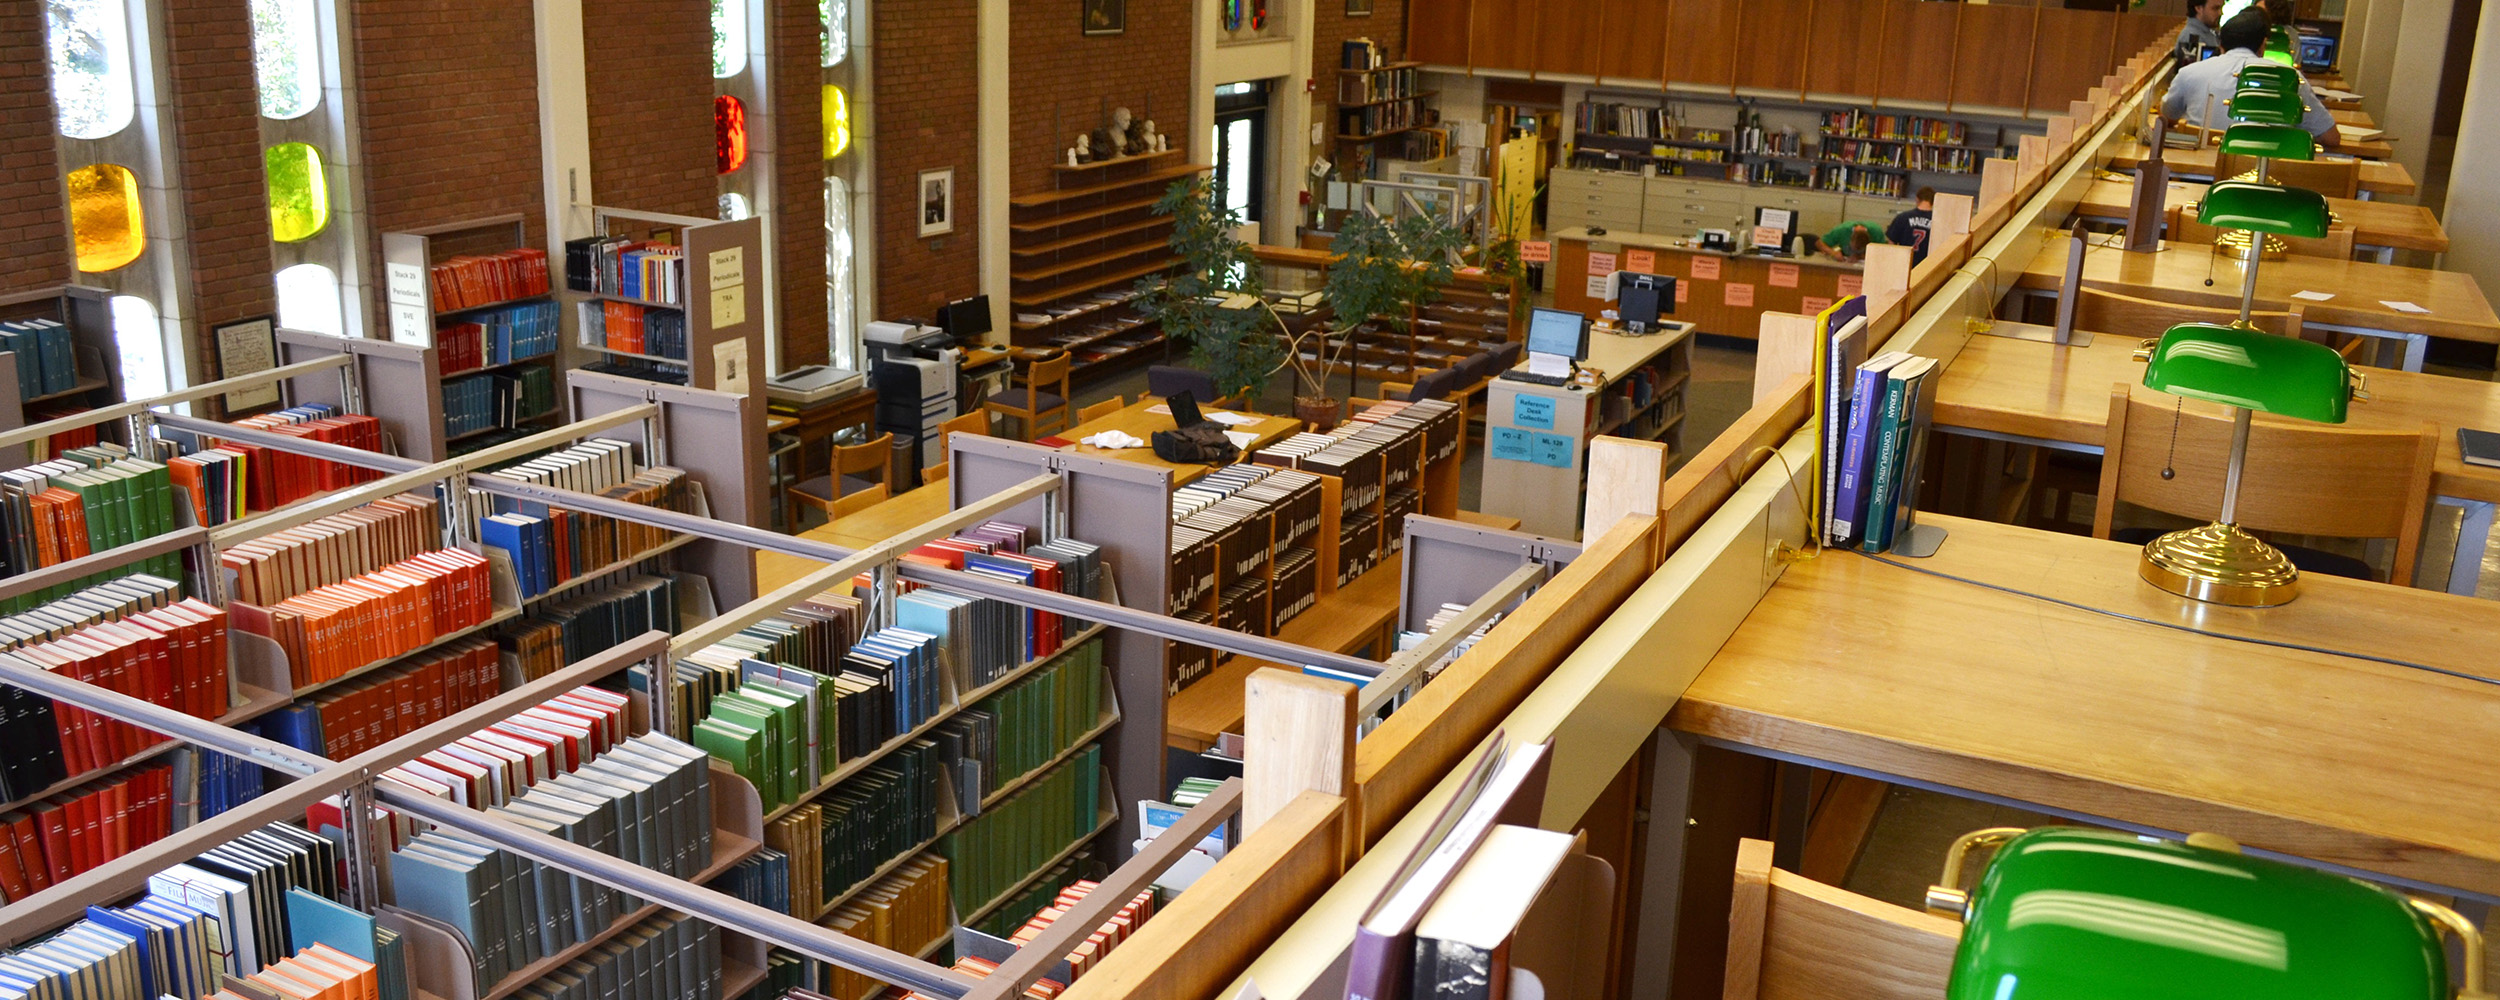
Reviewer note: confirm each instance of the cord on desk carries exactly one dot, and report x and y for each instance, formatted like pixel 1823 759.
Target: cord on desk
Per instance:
pixel 2140 620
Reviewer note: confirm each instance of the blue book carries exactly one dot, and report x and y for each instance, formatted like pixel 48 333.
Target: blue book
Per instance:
pixel 1893 431
pixel 506 532
pixel 1857 443
pixel 297 725
pixel 313 920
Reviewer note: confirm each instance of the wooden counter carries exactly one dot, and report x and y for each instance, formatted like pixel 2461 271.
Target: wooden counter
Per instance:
pixel 2028 389
pixel 1719 293
pixel 2374 223
pixel 1900 673
pixel 1139 420
pixel 2179 273
pixel 2377 176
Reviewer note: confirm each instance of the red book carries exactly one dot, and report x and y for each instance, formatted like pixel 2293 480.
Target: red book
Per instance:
pixel 20 830
pixel 52 825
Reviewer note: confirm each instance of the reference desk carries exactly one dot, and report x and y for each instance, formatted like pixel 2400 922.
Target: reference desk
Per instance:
pixel 2384 225
pixel 2192 274
pixel 1719 293
pixel 1887 669
pixel 2377 176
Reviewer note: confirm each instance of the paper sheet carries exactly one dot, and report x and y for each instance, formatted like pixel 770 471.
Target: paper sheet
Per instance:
pixel 1228 418
pixel 2313 296
pixel 2403 307
pixel 1240 439
pixel 1549 365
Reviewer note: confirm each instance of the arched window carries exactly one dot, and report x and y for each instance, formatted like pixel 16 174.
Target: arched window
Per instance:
pixel 729 38
pixel 308 299
pixel 837 30
pixel 733 207
pixel 92 93
pixel 299 196
pixel 105 225
pixel 729 133
pixel 141 342
pixel 838 263
pixel 286 57
pixel 837 117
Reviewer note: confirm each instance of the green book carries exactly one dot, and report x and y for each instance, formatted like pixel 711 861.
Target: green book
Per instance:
pixel 1885 482
pixel 741 747
pixel 93 497
pixel 736 707
pixel 790 719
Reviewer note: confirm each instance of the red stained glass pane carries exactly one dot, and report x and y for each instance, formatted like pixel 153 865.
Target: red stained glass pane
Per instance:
pixel 729 134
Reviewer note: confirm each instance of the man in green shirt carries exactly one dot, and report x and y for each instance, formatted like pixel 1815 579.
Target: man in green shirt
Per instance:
pixel 1848 240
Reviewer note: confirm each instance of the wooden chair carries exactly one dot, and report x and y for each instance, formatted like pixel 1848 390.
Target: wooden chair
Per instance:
pixel 851 466
pixel 976 424
pixel 1041 403
pixel 2332 178
pixel 856 502
pixel 1100 410
pixel 1790 937
pixel 2127 316
pixel 2300 478
pixel 2337 244
pixel 934 474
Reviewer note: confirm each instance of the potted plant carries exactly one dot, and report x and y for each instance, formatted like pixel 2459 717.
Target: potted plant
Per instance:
pixel 1383 269
pixel 1214 302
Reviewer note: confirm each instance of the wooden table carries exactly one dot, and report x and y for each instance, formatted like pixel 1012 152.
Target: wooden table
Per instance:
pixel 2385 225
pixel 2353 116
pixel 2377 176
pixel 2181 272
pixel 1139 420
pixel 1719 293
pixel 1870 668
pixel 868 527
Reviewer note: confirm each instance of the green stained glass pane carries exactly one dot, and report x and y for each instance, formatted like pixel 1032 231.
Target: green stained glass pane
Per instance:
pixel 299 197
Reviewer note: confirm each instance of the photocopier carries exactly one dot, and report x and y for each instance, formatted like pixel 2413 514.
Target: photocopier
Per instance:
pixel 914 370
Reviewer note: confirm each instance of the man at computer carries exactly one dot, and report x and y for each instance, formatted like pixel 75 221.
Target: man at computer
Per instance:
pixel 2213 81
pixel 2198 33
pixel 1849 240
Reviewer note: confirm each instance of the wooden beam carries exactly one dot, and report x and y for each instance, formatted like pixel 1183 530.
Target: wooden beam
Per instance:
pixel 1624 477
pixel 1298 735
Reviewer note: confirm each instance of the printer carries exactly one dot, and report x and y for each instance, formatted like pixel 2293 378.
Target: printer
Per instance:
pixel 914 370
pixel 811 384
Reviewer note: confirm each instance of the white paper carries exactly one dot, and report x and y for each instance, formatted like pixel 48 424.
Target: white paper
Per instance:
pixel 1229 418
pixel 2403 307
pixel 2333 94
pixel 1240 439
pixel 1113 440
pixel 729 366
pixel 2313 296
pixel 729 306
pixel 728 268
pixel 1597 287
pixel 1549 365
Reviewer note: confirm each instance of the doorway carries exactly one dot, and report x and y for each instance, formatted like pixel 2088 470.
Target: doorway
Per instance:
pixel 1240 143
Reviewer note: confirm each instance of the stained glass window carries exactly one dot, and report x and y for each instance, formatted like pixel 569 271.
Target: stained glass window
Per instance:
pixel 837 116
pixel 729 38
pixel 140 341
pixel 92 93
pixel 729 134
pixel 105 223
pixel 308 299
pixel 286 57
pixel 299 196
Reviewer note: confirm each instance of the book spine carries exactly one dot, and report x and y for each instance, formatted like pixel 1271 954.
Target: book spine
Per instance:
pixel 1878 533
pixel 1849 505
pixel 1917 412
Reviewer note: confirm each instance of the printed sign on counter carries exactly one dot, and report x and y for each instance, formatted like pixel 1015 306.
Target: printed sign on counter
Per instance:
pixel 1601 264
pixel 1852 284
pixel 1552 450
pixel 1597 287
pixel 1684 291
pixel 1783 275
pixel 1813 305
pixel 1739 293
pixel 1510 444
pixel 1536 252
pixel 1643 261
pixel 1705 267
pixel 1532 411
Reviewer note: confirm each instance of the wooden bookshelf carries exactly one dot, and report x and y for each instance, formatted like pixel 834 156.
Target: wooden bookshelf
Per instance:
pixel 1078 246
pixel 95 383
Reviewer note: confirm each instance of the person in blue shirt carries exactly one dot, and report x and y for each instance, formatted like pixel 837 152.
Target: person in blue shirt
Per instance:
pixel 2212 82
pixel 1909 228
pixel 2203 17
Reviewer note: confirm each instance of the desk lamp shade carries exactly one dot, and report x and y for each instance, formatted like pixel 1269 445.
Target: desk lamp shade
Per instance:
pixel 2280 48
pixel 2269 76
pixel 2248 370
pixel 2272 142
pixel 2064 913
pixel 2267 107
pixel 2265 208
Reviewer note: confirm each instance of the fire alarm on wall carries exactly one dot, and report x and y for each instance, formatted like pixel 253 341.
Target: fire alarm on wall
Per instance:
pixel 1310 86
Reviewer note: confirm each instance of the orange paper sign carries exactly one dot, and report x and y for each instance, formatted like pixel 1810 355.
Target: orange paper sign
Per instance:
pixel 1684 291
pixel 1813 305
pixel 1705 267
pixel 1536 252
pixel 1852 284
pixel 1739 293
pixel 1783 275
pixel 1601 264
pixel 1643 261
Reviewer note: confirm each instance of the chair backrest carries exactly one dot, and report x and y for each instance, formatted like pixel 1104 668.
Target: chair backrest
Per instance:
pixel 1102 409
pixel 2332 178
pixel 2127 316
pixel 1437 385
pixel 1473 369
pixel 1505 357
pixel 856 502
pixel 1792 938
pixel 2336 244
pixel 2300 478
pixel 875 456
pixel 1167 381
pixel 1051 374
pixel 975 423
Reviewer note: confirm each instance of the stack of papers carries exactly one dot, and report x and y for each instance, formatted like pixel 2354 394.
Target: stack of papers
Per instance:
pixel 1114 439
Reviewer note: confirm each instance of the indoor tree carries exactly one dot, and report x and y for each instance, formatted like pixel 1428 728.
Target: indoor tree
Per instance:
pixel 1382 269
pixel 1214 302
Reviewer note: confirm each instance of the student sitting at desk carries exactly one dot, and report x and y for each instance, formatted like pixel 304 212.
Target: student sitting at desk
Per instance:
pixel 1848 240
pixel 2213 81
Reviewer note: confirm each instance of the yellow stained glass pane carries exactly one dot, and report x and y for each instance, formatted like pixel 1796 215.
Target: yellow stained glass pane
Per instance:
pixel 299 197
pixel 837 113
pixel 104 219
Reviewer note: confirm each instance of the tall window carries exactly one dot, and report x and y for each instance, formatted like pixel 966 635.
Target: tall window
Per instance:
pixel 93 95
pixel 847 152
pixel 305 136
pixel 286 56
pixel 140 340
pixel 729 38
pixel 108 84
pixel 838 266
pixel 308 299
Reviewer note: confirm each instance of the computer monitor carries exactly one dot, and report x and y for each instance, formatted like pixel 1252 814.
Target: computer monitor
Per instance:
pixel 965 319
pixel 1644 298
pixel 1559 332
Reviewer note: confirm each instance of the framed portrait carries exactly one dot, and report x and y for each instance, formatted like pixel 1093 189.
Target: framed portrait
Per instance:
pixel 937 202
pixel 1358 8
pixel 244 347
pixel 1105 17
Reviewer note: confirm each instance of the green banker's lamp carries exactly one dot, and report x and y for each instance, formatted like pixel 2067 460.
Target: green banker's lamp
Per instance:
pixel 2270 76
pixel 2265 138
pixel 2279 47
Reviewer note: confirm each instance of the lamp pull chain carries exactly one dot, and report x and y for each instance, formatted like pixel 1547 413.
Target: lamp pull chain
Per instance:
pixel 2169 457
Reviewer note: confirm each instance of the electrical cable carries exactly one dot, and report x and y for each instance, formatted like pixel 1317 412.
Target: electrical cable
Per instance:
pixel 2138 619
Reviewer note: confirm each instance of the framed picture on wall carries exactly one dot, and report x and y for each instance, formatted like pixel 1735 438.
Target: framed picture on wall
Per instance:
pixel 937 202
pixel 245 347
pixel 1358 8
pixel 1105 17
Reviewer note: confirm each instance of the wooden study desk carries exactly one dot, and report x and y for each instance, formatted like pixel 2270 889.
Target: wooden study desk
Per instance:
pixel 2386 225
pixel 2179 273
pixel 1719 293
pixel 1139 420
pixel 2377 176
pixel 1865 667
pixel 868 527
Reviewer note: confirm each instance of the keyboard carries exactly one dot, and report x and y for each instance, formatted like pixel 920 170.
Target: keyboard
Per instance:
pixel 1524 375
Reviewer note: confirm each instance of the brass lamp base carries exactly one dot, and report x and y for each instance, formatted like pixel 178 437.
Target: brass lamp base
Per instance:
pixel 2233 243
pixel 2220 564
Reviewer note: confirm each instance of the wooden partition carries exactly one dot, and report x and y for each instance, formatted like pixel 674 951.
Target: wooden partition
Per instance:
pixel 1793 938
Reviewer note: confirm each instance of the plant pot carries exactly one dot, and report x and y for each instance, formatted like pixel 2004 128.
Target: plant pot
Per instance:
pixel 1321 412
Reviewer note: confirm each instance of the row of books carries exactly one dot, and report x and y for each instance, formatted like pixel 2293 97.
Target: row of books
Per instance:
pixel 53 444
pixel 552 545
pixel 65 834
pixel 472 280
pixel 840 839
pixel 627 268
pixel 658 332
pixel 1932 159
pixel 280 565
pixel 1013 553
pixel 1017 731
pixel 989 854
pixel 762 878
pixel 330 630
pixel 173 656
pixel 497 400
pixel 218 782
pixel 392 702
pixel 1376 119
pixel 1364 88
pixel 1863 124
pixel 594 620
pixel 1890 405
pixel 316 973
pixel 499 336
pixel 486 768
pixel 1639 121
pixel 1089 952
pixel 271 478
pixel 251 887
pixel 1361 53
pixel 88 500
pixel 1861 180
pixel 904 911
pixel 47 360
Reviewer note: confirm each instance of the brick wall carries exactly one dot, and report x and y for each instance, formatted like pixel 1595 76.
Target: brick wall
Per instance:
pixel 927 102
pixel 34 250
pixel 1066 82
pixel 225 193
pixel 651 105
pixel 1330 30
pixel 799 216
pixel 449 113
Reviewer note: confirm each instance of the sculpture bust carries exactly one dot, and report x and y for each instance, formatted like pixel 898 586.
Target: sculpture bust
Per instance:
pixel 1101 146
